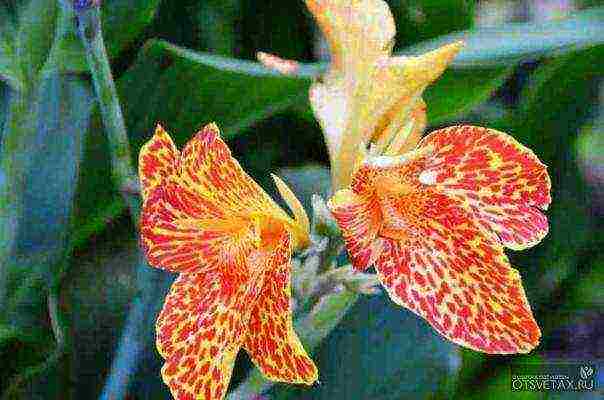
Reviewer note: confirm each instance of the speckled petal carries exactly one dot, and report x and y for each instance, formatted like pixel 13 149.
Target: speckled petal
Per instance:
pixel 201 329
pixel 201 214
pixel 157 160
pixel 182 231
pixel 457 278
pixel 271 340
pixel 501 182
pixel 359 219
pixel 208 169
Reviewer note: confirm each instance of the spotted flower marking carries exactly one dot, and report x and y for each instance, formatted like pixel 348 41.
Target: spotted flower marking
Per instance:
pixel 434 222
pixel 206 219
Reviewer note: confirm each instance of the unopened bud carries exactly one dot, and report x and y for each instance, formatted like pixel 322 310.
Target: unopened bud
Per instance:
pixel 80 5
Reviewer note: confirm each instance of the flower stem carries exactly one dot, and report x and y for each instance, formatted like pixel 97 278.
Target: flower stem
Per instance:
pixel 122 170
pixel 135 337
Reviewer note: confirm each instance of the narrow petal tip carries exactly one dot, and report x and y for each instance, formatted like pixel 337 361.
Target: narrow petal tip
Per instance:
pixel 276 63
pixel 300 216
pixel 212 127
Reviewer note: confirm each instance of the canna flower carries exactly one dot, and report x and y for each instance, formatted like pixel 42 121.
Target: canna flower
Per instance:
pixel 434 222
pixel 231 244
pixel 368 98
pixel 434 217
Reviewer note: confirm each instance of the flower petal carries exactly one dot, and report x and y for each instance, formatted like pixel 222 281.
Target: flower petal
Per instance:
pixel 329 103
pixel 158 159
pixel 208 168
pixel 358 31
pixel 276 63
pixel 301 230
pixel 501 182
pixel 392 98
pixel 457 278
pixel 359 219
pixel 201 217
pixel 271 340
pixel 182 231
pixel 201 328
pixel 404 141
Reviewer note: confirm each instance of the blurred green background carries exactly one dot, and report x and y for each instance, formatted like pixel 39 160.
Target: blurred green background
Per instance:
pixel 532 68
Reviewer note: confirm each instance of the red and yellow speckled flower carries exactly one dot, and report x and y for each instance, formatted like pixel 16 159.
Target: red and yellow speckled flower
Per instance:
pixel 434 222
pixel 205 218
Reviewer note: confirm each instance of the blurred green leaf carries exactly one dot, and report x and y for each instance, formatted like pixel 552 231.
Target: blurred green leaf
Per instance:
pixel 381 351
pixel 101 286
pixel 586 293
pixel 185 89
pixel 460 90
pixel 521 41
pixel 63 111
pixel 47 162
pixel 4 100
pixel 10 71
pixel 496 383
pixel 217 21
pixel 66 53
pixel 20 350
pixel 552 107
pixel 275 26
pixel 124 21
pixel 35 35
pixel 420 20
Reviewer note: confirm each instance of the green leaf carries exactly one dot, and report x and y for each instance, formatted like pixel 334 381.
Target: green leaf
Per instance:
pixel 420 20
pixel 185 89
pixel 381 351
pixel 460 90
pixel 521 41
pixel 217 21
pixel 280 27
pixel 4 100
pixel 496 383
pixel 67 52
pixel 35 35
pixel 10 70
pixel 44 173
pixel 124 21
pixel 552 106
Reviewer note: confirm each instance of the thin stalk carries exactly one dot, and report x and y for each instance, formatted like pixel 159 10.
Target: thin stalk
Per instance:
pixel 136 336
pixel 122 170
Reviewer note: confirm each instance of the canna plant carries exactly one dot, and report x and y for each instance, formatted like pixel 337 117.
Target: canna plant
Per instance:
pixel 431 215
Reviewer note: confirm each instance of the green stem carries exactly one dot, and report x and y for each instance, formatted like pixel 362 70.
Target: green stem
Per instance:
pixel 122 170
pixel 124 177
